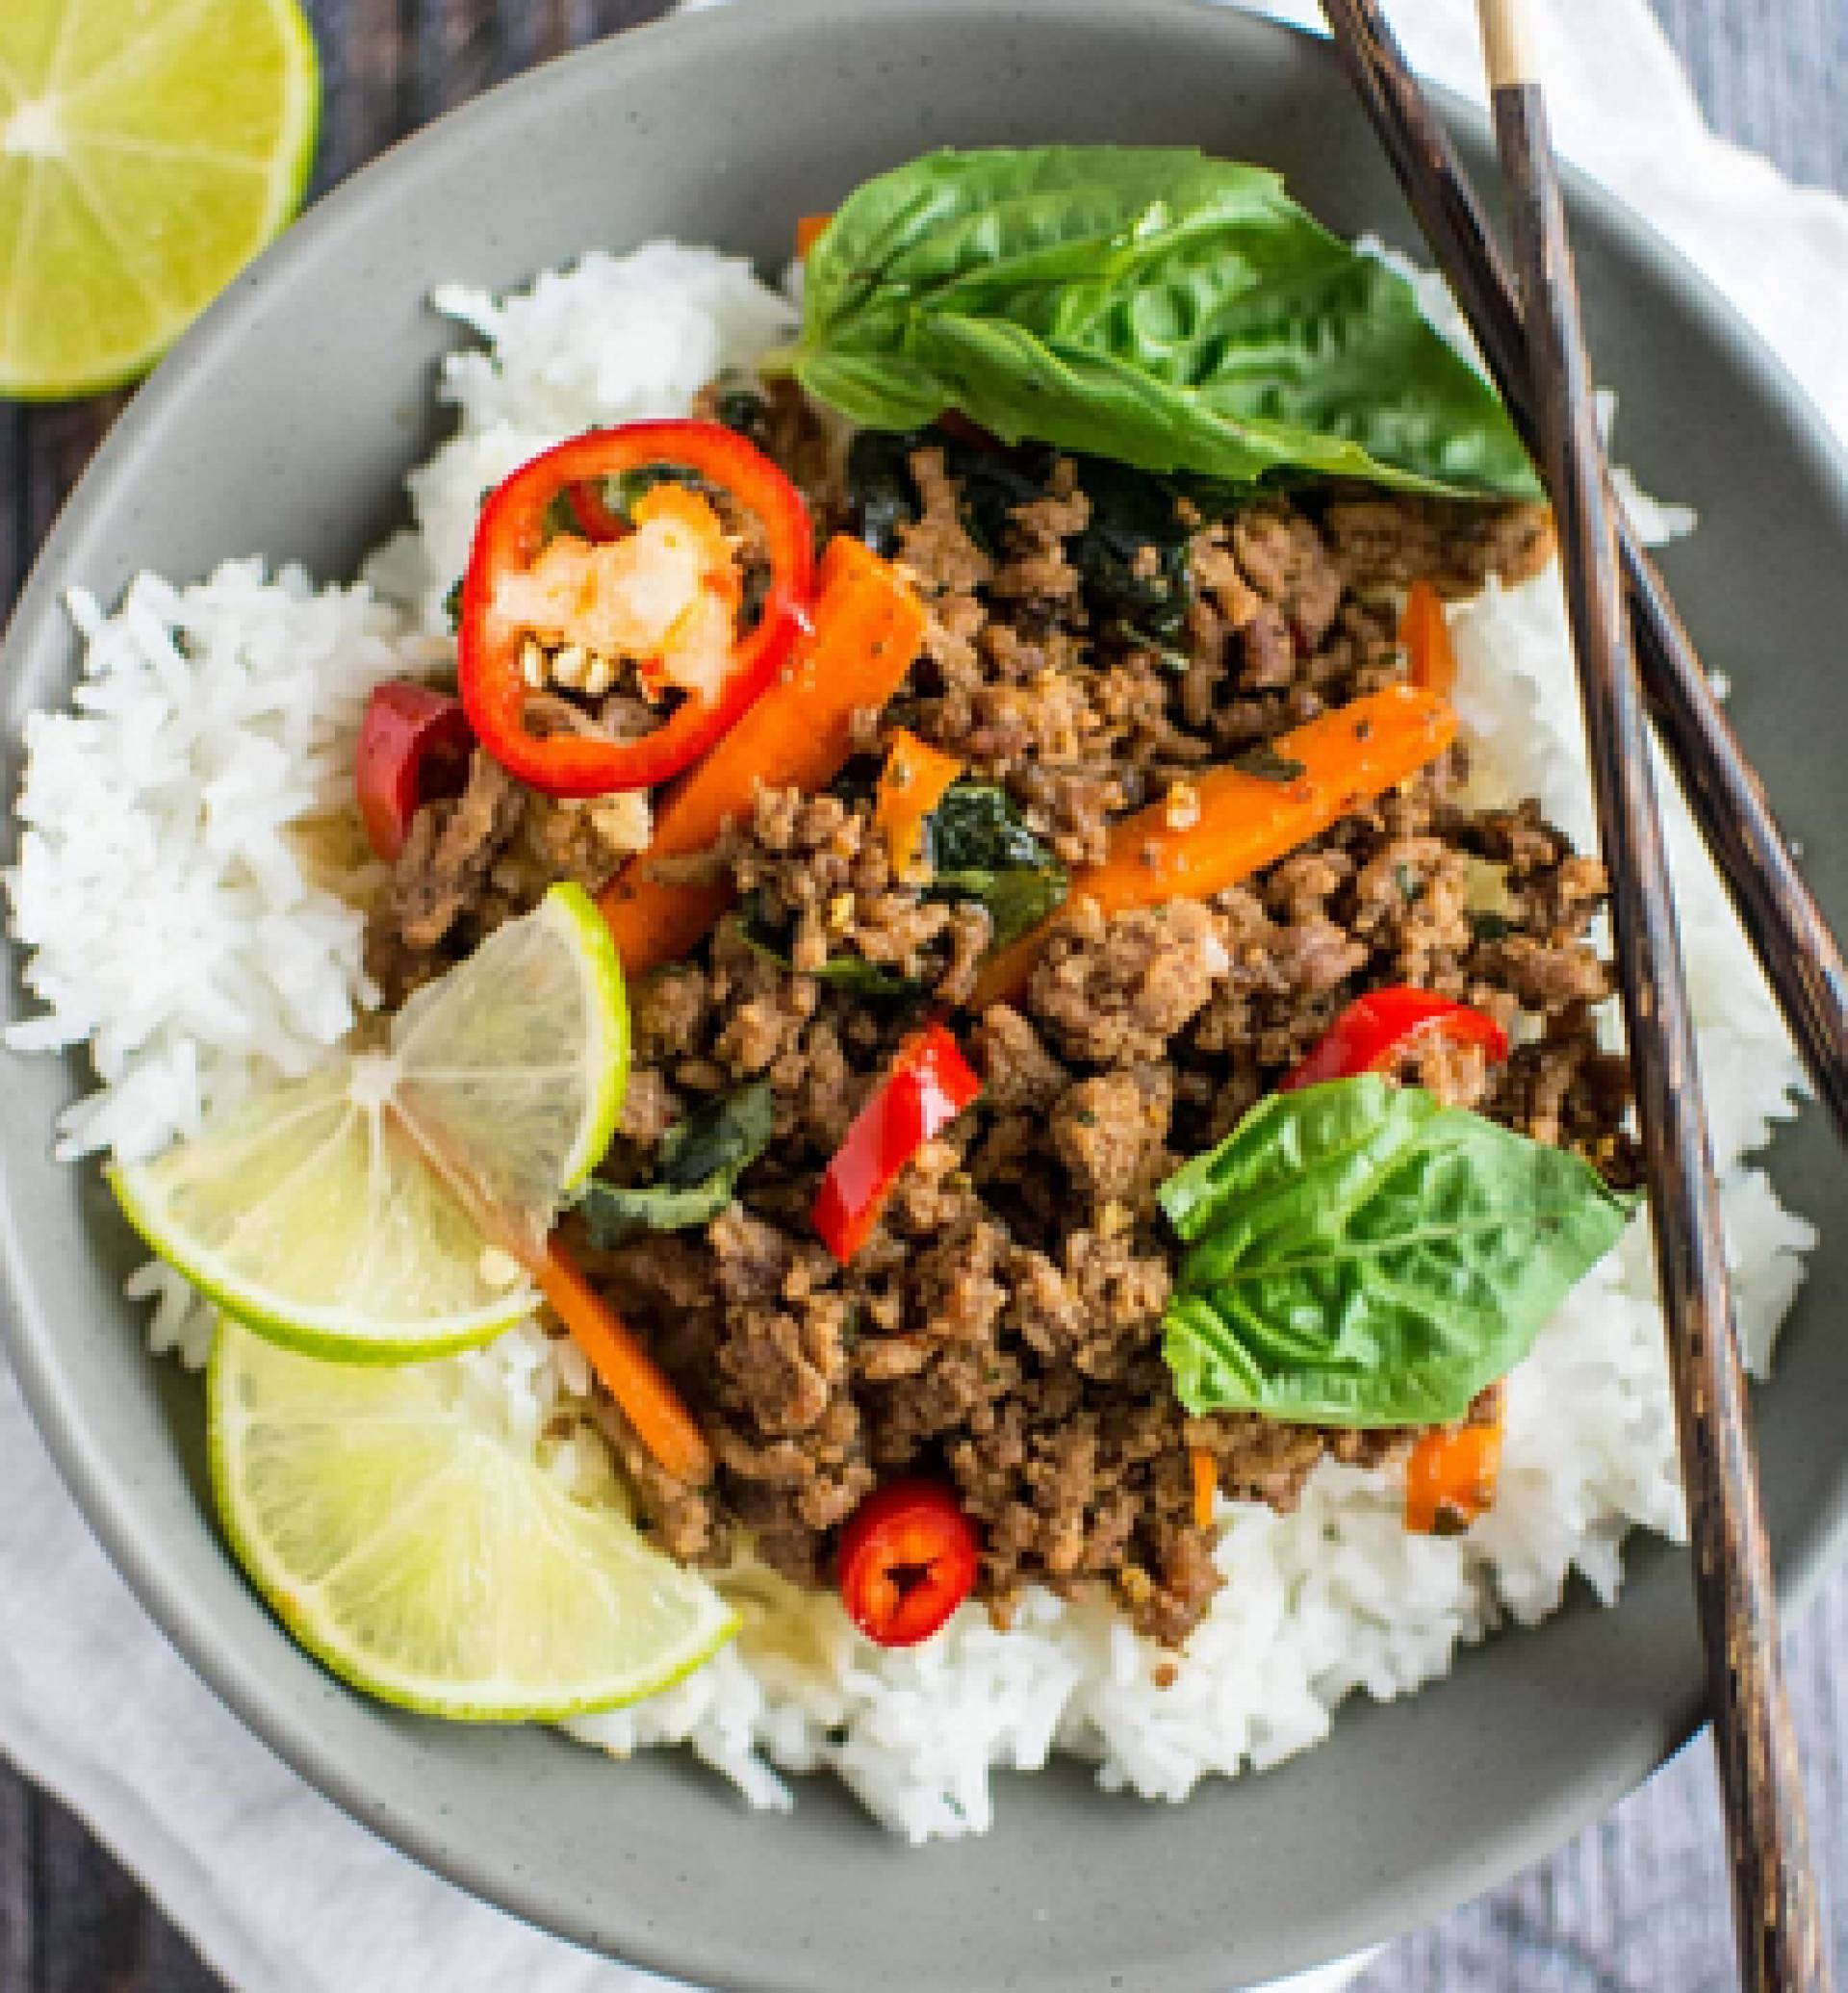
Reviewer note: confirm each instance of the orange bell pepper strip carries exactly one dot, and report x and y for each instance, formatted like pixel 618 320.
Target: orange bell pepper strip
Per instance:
pixel 1450 1478
pixel 868 625
pixel 653 1407
pixel 1245 822
pixel 910 786
pixel 808 232
pixel 1205 1470
pixel 1425 636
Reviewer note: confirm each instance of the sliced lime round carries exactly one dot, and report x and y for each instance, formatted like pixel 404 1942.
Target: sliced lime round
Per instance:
pixel 313 1213
pixel 405 1538
pixel 148 149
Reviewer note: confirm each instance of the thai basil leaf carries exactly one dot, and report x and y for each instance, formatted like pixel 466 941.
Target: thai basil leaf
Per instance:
pixel 853 973
pixel 698 1165
pixel 1133 513
pixel 882 498
pixel 1361 1255
pixel 978 849
pixel 1134 558
pixel 1149 305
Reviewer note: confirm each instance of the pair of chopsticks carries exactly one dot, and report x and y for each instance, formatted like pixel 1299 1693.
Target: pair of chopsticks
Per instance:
pixel 1533 341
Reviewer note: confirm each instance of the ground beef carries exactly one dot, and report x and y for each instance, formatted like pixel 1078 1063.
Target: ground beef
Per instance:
pixel 1002 1327
pixel 1114 991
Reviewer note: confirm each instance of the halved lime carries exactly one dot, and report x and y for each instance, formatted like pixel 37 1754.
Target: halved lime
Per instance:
pixel 408 1541
pixel 313 1213
pixel 148 149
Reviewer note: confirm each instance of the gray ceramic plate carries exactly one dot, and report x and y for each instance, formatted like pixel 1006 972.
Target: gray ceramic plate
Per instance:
pixel 284 423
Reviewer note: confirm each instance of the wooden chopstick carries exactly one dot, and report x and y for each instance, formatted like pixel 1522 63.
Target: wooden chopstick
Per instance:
pixel 1800 957
pixel 1776 1920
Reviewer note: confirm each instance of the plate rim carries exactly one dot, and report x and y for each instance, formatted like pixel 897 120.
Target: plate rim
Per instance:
pixel 110 1513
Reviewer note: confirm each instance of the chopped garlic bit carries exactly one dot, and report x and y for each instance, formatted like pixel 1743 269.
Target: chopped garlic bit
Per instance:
pixel 624 819
pixel 1181 809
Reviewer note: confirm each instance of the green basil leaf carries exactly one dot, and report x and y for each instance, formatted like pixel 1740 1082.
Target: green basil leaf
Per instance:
pixel 1150 305
pixel 720 1137
pixel 697 1165
pixel 1361 1255
pixel 980 849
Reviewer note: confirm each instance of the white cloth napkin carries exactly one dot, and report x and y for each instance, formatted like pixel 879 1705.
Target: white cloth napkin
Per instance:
pixel 282 1893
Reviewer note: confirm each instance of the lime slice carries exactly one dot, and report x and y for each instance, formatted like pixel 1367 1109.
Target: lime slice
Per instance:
pixel 312 1214
pixel 494 1058
pixel 148 149
pixel 408 1541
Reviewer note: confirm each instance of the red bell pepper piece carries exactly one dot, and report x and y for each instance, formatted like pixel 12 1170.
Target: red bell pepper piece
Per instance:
pixel 414 745
pixel 1377 1030
pixel 908 1560
pixel 511 535
pixel 930 1083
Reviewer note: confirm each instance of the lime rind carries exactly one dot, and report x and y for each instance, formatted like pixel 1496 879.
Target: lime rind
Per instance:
pixel 397 1523
pixel 609 1010
pixel 290 169
pixel 326 1333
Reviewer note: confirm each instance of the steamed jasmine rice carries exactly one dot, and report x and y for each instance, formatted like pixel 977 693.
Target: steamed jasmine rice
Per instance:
pixel 175 884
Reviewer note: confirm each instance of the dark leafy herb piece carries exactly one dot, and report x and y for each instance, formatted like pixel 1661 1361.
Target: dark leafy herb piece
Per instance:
pixel 1491 927
pixel 626 488
pixel 1268 765
pixel 1151 305
pixel 853 973
pixel 697 1168
pixel 1360 1255
pixel 980 849
pixel 452 603
pixel 882 496
pixel 560 516
pixel 1132 557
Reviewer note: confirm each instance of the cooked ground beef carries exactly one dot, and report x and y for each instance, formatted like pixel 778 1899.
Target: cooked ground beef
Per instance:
pixel 1002 1327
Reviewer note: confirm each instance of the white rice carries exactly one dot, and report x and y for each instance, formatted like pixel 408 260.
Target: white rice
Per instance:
pixel 176 931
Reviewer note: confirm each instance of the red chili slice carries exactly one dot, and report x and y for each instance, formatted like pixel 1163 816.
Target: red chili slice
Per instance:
pixel 414 745
pixel 512 533
pixel 930 1083
pixel 908 1560
pixel 1377 1030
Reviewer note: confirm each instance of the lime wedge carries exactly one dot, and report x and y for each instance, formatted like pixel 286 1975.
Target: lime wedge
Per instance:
pixel 148 149
pixel 404 1538
pixel 312 1214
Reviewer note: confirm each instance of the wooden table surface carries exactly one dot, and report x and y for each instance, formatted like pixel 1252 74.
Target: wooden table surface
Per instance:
pixel 1635 1904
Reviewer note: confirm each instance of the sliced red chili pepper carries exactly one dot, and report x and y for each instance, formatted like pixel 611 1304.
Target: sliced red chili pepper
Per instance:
pixel 1377 1030
pixel 930 1083
pixel 511 535
pixel 414 746
pixel 908 1560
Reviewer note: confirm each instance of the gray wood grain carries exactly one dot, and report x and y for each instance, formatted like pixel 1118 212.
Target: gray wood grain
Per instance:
pixel 1635 1904
pixel 16 1801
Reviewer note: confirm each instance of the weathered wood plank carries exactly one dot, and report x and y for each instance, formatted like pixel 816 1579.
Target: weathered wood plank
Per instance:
pixel 89 1918
pixel 16 1878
